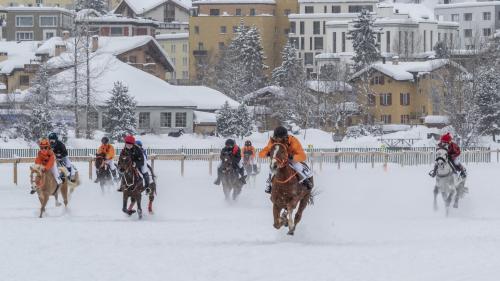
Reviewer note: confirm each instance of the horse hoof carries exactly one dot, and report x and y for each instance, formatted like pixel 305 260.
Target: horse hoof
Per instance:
pixel 290 233
pixel 277 226
pixel 58 204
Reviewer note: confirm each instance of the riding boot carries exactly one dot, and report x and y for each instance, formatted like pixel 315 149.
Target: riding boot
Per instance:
pixel 433 172
pixel 242 175
pixel 461 169
pixel 33 190
pixel 146 183
pixel 268 185
pixel 219 176
pixel 114 174
pixel 308 183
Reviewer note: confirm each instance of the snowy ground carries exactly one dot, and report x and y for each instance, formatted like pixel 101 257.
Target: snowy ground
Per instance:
pixel 367 224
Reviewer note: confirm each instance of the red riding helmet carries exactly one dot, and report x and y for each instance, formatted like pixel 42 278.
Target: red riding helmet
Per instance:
pixel 44 143
pixel 129 139
pixel 446 138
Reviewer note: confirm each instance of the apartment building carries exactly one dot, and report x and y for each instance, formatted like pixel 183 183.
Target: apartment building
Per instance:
pixel 213 24
pixel 68 4
pixel 177 48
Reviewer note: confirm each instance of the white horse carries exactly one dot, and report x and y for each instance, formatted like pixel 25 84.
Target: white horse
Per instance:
pixel 448 182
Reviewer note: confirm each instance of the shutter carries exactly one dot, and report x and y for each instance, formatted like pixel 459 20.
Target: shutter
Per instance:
pixel 401 96
pixel 381 80
pixel 408 101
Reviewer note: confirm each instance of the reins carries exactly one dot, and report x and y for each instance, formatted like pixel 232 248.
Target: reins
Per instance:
pixel 288 179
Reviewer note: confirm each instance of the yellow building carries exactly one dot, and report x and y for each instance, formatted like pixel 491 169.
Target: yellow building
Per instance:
pixel 176 45
pixel 213 23
pixel 401 92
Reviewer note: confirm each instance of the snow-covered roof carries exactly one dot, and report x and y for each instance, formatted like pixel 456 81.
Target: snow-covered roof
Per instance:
pixel 468 4
pixel 234 2
pixel 405 70
pixel 36 8
pixel 436 119
pixel 334 55
pixel 142 6
pixel 147 89
pixel 329 87
pixel 112 18
pixel 18 54
pixel 338 1
pixel 202 117
pixel 415 11
pixel 167 36
pixel 347 16
pixel 83 13
pixel 274 90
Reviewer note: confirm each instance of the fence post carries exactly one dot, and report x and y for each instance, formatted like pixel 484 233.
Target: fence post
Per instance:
pixel 182 164
pixel 321 161
pixel 210 162
pixel 338 162
pixel 15 170
pixel 153 157
pixel 355 161
pixel 498 151
pixel 373 159
pixel 90 169
pixel 386 158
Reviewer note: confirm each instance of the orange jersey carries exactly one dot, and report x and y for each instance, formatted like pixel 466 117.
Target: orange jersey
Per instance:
pixel 294 148
pixel 47 158
pixel 248 150
pixel 108 150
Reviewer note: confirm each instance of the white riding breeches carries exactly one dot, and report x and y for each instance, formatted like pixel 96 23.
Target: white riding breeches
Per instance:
pixel 55 173
pixel 456 162
pixel 111 164
pixel 67 163
pixel 303 171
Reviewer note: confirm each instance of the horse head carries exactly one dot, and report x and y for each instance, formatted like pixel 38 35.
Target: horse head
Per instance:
pixel 99 160
pixel 125 163
pixel 442 161
pixel 227 163
pixel 279 155
pixel 37 176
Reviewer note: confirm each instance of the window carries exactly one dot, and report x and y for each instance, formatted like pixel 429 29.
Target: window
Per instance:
pixel 310 43
pixel 359 8
pixel 316 27
pixel 302 43
pixel 325 9
pixel 47 34
pixel 486 31
pixel 386 99
pixel 377 80
pixel 292 27
pixel 169 13
pixel 404 99
pixel 173 61
pixel 252 12
pixel 197 30
pixel 144 120
pixel 386 119
pixel 286 31
pixel 486 16
pixel 24 36
pixel 455 17
pixel 24 80
pixel 371 99
pixel 334 43
pixel 468 17
pixel 238 12
pixel 184 61
pixel 180 119
pixel 48 21
pixel 302 27
pixel 405 119
pixel 318 43
pixel 185 75
pixel 308 58
pixel 223 29
pixel 467 33
pixel 294 42
pixel 184 48
pixel 116 31
pixel 388 41
pixel 166 119
pixel 498 15
pixel 214 12
pixel 24 21
pixel 309 9
pixel 335 9
pixel 221 45
pixel 201 46
pixel 287 12
pixel 172 48
pixel 343 41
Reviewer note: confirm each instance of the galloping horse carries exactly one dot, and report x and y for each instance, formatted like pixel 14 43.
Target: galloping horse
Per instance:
pixel 287 192
pixel 131 184
pixel 151 194
pixel 45 185
pixel 448 183
pixel 230 179
pixel 103 172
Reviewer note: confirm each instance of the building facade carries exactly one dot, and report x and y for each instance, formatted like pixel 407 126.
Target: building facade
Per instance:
pixel 68 4
pixel 177 47
pixel 477 21
pixel 213 23
pixel 112 25
pixel 36 23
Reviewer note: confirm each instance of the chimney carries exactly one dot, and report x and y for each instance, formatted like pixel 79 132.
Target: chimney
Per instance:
pixel 383 60
pixel 3 56
pixel 395 60
pixel 60 48
pixel 95 43
pixel 65 35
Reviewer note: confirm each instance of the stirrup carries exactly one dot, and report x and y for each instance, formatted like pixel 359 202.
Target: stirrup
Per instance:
pixel 268 189
pixel 32 191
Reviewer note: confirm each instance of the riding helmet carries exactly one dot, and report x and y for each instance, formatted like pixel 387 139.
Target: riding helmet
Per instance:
pixel 44 143
pixel 53 136
pixel 105 140
pixel 280 132
pixel 230 142
pixel 138 142
pixel 129 139
pixel 248 143
pixel 446 138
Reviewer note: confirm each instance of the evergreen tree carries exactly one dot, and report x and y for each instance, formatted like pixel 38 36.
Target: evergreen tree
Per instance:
pixel 226 121
pixel 291 67
pixel 38 124
pixel 363 37
pixel 441 49
pixel 97 5
pixel 120 113
pixel 252 57
pixel 488 99
pixel 42 87
pixel 243 121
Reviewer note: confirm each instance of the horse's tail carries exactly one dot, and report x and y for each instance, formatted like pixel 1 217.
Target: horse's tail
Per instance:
pixel 312 195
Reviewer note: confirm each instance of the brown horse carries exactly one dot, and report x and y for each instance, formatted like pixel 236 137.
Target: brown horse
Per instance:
pixel 151 193
pixel 45 185
pixel 103 172
pixel 131 185
pixel 287 192
pixel 230 179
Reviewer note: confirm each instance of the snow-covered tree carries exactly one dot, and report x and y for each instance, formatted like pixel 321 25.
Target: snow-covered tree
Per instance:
pixel 252 57
pixel 119 114
pixel 363 37
pixel 244 122
pixel 98 5
pixel 488 99
pixel 291 67
pixel 38 124
pixel 441 49
pixel 226 121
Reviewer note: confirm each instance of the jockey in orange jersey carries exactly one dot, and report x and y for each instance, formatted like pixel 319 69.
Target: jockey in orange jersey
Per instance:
pixel 47 159
pixel 109 153
pixel 297 156
pixel 248 155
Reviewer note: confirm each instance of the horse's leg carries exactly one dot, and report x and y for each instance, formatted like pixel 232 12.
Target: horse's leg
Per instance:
pixel 125 199
pixel 436 191
pixel 139 207
pixel 64 192
pixel 236 192
pixel 291 223
pixel 302 207
pixel 227 191
pixel 44 200
pixel 276 214
pixel 132 203
pixel 151 199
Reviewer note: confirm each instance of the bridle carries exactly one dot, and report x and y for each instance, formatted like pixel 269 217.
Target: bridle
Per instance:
pixel 281 162
pixel 39 181
pixel 129 168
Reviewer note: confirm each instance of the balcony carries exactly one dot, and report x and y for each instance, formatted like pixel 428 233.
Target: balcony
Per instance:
pixel 200 53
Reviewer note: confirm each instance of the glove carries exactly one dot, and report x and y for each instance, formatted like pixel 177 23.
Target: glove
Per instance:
pixel 290 156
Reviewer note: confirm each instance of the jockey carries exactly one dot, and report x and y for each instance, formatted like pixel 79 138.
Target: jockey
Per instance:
pixel 453 153
pixel 62 154
pixel 134 151
pixel 144 168
pixel 47 158
pixel 249 151
pixel 109 153
pixel 234 150
pixel 297 155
